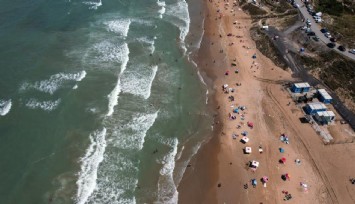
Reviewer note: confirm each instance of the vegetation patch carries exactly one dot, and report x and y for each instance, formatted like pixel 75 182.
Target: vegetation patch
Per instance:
pixel 331 7
pixel 253 10
pixel 335 71
pixel 266 46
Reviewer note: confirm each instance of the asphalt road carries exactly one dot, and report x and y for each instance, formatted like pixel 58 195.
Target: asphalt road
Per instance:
pixel 316 29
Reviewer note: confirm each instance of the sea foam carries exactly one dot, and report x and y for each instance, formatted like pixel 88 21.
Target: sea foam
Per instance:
pixel 180 11
pixel 132 135
pixel 89 166
pixel 167 192
pixel 162 9
pixel 113 96
pixel 54 82
pixel 93 4
pixel 44 105
pixel 5 107
pixel 140 82
pixel 120 26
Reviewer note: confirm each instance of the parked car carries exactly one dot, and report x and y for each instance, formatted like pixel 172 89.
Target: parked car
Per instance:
pixel 333 39
pixel 352 51
pixel 315 38
pixel 324 30
pixel 331 45
pixel 327 34
pixel 311 33
pixel 296 5
pixel 341 48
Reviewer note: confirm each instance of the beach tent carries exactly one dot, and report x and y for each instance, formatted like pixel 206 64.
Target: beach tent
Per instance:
pixel 283 160
pixel 244 133
pixel 247 150
pixel 260 149
pixel 254 164
pixel 244 140
pixel 254 182
pixel 281 150
pixel 264 180
pixel 236 110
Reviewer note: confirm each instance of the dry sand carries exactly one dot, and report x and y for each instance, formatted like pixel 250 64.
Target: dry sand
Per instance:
pixel 219 172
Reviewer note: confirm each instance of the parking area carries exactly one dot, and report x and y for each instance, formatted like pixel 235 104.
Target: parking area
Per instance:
pixel 312 27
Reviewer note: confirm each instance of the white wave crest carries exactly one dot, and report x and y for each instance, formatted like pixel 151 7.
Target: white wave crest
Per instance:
pixel 89 166
pixel 139 83
pixel 120 26
pixel 52 84
pixel 149 42
pixel 44 105
pixel 110 52
pixel 113 96
pixel 180 10
pixel 162 9
pixel 167 192
pixel 5 107
pixel 93 4
pixel 132 135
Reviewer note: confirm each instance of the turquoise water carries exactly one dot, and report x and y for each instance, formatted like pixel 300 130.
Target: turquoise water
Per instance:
pixel 99 101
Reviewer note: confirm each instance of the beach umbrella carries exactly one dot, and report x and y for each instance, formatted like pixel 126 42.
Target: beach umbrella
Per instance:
pixel 265 179
pixel 281 150
pixel 250 124
pixel 283 160
pixel 254 182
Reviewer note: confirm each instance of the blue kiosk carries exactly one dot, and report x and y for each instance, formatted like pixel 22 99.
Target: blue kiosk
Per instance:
pixel 324 96
pixel 313 108
pixel 300 87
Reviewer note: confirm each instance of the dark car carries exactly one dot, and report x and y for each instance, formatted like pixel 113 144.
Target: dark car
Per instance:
pixel 331 45
pixel 315 38
pixel 341 48
pixel 311 34
pixel 324 30
pixel 333 39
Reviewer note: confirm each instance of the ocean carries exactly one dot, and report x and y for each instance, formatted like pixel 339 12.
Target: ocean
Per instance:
pixel 100 101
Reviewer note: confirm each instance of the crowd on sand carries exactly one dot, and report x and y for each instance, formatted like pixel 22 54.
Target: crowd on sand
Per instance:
pixel 239 113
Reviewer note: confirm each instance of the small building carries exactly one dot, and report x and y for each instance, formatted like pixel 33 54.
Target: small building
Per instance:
pixel 324 96
pixel 325 117
pixel 300 87
pixel 312 108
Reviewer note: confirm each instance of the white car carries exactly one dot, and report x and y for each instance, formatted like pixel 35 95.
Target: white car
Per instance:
pixel 327 34
pixel 352 51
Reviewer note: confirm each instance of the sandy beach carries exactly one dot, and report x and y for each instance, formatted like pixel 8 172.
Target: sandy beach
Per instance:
pixel 219 172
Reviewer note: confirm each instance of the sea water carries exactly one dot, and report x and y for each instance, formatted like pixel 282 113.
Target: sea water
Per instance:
pixel 100 101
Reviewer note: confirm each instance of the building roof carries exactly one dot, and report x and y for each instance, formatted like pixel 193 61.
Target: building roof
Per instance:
pixel 317 106
pixel 302 85
pixel 325 94
pixel 326 113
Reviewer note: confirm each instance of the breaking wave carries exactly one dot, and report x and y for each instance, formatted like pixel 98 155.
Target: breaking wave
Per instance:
pixel 55 82
pixel 167 192
pixel 89 166
pixel 162 9
pixel 44 105
pixel 113 96
pixel 120 26
pixel 93 4
pixel 5 107
pixel 139 83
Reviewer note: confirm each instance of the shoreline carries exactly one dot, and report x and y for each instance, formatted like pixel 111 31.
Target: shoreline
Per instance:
pixel 218 172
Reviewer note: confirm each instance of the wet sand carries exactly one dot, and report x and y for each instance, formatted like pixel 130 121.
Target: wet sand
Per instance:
pixel 219 172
